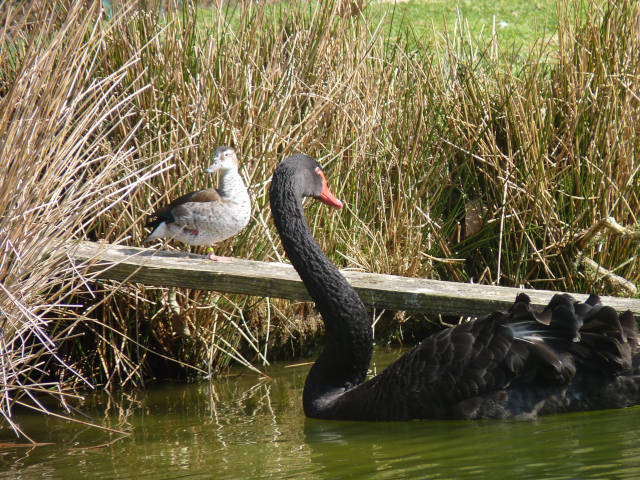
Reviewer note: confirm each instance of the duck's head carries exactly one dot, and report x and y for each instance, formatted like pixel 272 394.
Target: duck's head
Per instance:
pixel 223 158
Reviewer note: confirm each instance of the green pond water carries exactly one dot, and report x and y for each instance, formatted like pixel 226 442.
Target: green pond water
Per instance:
pixel 243 426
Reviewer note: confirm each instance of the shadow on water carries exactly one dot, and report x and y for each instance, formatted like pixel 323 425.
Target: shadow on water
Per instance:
pixel 247 427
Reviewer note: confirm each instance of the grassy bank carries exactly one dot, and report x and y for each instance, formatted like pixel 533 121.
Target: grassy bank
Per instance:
pixel 517 23
pixel 453 162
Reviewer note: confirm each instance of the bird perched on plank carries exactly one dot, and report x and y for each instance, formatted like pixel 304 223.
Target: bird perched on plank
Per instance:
pixel 207 216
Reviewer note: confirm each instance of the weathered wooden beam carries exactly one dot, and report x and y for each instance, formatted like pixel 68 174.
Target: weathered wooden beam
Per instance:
pixel 179 269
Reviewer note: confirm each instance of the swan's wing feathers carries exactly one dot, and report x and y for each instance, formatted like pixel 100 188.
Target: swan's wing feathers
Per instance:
pixel 509 363
pixel 503 349
pixel 585 337
pixel 630 329
pixel 564 317
pixel 458 362
pixel 523 298
pixel 603 320
pixel 516 357
pixel 560 299
pixel 562 368
pixel 462 342
pixel 484 359
pixel 453 345
pixel 609 341
pixel 566 322
pixel 592 300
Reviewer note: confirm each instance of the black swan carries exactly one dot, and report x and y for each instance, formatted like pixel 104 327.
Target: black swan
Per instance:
pixel 518 363
pixel 210 215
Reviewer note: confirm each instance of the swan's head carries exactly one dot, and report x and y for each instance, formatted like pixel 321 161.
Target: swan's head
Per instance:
pixel 224 158
pixel 306 177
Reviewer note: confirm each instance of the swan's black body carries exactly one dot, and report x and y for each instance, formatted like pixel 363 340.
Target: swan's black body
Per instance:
pixel 517 363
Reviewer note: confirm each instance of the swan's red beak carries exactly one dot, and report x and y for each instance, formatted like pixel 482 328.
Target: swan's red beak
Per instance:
pixel 326 196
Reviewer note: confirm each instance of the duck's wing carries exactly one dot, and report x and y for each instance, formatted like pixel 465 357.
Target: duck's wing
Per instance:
pixel 178 208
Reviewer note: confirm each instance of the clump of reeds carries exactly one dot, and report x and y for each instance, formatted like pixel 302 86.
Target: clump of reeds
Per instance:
pixel 60 170
pixel 542 150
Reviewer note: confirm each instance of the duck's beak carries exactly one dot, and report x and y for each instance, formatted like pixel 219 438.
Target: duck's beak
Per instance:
pixel 216 165
pixel 326 196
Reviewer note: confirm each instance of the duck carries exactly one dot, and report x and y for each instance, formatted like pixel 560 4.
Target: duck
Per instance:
pixel 210 215
pixel 519 362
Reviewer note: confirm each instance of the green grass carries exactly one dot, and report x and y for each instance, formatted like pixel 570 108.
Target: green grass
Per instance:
pixel 516 22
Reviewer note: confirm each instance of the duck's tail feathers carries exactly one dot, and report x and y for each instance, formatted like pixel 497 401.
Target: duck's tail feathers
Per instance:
pixel 159 231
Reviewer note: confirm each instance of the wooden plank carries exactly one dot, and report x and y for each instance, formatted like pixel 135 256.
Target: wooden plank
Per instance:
pixel 265 279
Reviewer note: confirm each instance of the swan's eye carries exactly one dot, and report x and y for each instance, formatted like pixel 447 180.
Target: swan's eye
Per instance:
pixel 318 171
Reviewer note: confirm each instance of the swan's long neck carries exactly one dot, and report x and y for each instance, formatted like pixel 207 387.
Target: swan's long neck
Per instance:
pixel 349 343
